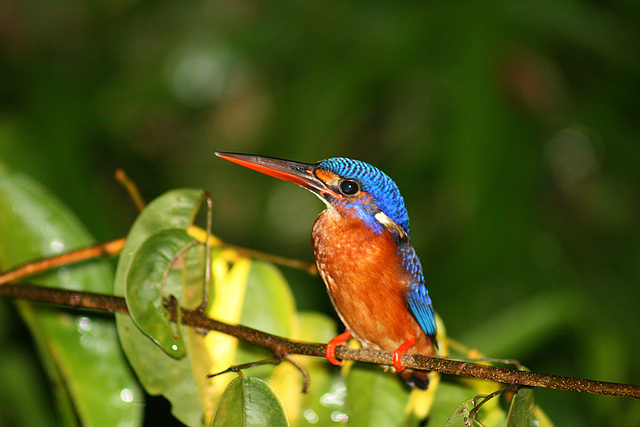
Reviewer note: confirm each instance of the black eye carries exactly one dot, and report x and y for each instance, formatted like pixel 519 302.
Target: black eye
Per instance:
pixel 349 187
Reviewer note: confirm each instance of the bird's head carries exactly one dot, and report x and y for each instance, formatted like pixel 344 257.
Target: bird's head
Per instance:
pixel 348 187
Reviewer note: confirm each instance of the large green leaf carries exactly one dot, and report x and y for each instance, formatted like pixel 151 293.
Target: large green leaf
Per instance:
pixel 524 413
pixel 521 410
pixel 81 353
pixel 158 372
pixel 375 397
pixel 249 402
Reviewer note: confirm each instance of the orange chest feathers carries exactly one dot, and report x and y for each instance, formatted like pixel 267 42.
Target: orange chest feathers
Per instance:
pixel 366 281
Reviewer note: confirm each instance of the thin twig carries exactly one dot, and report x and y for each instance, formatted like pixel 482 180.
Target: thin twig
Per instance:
pixel 131 188
pixel 303 371
pixel 239 368
pixel 111 248
pixel 276 259
pixel 279 345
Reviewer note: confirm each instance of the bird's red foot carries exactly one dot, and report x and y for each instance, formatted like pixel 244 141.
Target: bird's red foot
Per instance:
pixel 397 355
pixel 335 343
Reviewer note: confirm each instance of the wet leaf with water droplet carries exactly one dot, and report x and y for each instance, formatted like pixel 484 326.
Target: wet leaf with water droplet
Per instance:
pixel 149 285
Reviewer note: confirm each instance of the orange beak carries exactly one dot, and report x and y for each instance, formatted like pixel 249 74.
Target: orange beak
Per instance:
pixel 286 170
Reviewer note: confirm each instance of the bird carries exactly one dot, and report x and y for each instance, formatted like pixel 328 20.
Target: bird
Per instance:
pixel 363 252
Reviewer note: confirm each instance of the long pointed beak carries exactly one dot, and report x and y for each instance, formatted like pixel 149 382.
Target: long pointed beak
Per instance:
pixel 287 170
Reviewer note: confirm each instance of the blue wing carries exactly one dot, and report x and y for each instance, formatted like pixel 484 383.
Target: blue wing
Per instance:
pixel 417 294
pixel 420 304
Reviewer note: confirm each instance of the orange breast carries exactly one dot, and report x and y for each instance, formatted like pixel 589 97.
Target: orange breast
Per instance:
pixel 367 283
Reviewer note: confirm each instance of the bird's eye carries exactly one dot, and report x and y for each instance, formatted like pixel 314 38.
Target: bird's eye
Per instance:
pixel 349 187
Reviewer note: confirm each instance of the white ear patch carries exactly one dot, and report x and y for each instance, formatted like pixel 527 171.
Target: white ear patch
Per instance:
pixel 387 222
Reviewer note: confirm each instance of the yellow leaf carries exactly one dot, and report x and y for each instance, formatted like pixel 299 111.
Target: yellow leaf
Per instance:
pixel 229 284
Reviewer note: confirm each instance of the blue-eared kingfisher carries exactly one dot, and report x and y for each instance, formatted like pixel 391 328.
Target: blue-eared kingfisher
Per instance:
pixel 364 254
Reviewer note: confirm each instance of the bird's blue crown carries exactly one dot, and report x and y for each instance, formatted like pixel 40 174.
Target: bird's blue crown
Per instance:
pixel 383 190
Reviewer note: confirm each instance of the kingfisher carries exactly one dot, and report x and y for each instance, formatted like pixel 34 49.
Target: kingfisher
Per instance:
pixel 364 254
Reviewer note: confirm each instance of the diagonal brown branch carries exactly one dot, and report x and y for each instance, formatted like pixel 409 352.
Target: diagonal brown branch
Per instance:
pixel 111 248
pixel 87 300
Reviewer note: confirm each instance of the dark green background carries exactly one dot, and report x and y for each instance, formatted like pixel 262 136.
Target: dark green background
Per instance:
pixel 512 129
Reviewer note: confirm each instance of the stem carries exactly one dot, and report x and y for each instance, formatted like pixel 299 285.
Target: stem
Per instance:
pixel 111 248
pixel 283 346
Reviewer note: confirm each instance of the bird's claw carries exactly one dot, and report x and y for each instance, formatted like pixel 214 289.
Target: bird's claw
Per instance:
pixel 336 342
pixel 397 355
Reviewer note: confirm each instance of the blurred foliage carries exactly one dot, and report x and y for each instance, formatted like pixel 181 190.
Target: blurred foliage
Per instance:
pixel 80 351
pixel 511 128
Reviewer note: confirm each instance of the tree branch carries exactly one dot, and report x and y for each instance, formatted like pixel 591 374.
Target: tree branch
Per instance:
pixel 283 346
pixel 111 248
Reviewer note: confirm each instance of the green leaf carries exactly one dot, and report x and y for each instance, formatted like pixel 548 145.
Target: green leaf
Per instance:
pixel 449 411
pixel 92 381
pixel 460 416
pixel 148 284
pixel 375 397
pixel 449 396
pixel 521 411
pixel 327 393
pixel 158 372
pixel 249 402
